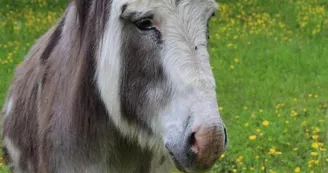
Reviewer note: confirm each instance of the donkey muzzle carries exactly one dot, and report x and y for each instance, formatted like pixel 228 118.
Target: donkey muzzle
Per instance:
pixel 200 147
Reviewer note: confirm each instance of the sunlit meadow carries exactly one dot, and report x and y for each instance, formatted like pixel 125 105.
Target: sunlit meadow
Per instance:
pixel 270 60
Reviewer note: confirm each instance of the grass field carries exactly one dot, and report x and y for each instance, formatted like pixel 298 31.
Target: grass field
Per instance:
pixel 270 59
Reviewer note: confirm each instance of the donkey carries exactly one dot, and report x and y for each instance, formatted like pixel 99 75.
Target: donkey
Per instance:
pixel 117 86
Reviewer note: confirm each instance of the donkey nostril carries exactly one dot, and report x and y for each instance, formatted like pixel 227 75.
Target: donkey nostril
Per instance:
pixel 225 137
pixel 193 143
pixel 192 139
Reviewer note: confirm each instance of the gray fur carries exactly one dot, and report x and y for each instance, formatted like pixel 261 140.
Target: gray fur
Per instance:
pixel 60 120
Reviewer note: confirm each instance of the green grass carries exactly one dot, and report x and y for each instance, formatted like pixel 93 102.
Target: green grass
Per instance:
pixel 270 60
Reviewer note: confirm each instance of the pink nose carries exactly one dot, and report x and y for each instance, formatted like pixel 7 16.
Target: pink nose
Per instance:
pixel 208 144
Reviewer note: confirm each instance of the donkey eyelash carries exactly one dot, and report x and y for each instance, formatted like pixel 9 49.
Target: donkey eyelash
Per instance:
pixel 149 17
pixel 208 27
pixel 144 24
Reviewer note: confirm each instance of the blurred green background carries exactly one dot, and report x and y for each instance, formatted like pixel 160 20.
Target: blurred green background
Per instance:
pixel 270 60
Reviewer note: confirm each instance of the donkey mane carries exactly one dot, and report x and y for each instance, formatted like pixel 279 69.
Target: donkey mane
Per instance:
pixel 62 66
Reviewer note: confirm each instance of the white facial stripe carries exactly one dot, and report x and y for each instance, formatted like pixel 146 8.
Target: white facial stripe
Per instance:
pixel 109 64
pixel 108 75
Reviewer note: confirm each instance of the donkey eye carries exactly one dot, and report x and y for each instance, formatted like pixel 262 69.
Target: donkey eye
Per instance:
pixel 144 24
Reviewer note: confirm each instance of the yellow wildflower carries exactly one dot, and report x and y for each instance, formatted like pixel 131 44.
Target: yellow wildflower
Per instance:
pixel 240 160
pixel 315 137
pixel 236 60
pixel 314 154
pixel 265 123
pixel 273 151
pixel 297 169
pixel 315 145
pixel 252 137
pixel 310 163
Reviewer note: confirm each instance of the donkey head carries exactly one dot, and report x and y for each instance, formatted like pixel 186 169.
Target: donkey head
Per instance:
pixel 155 78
